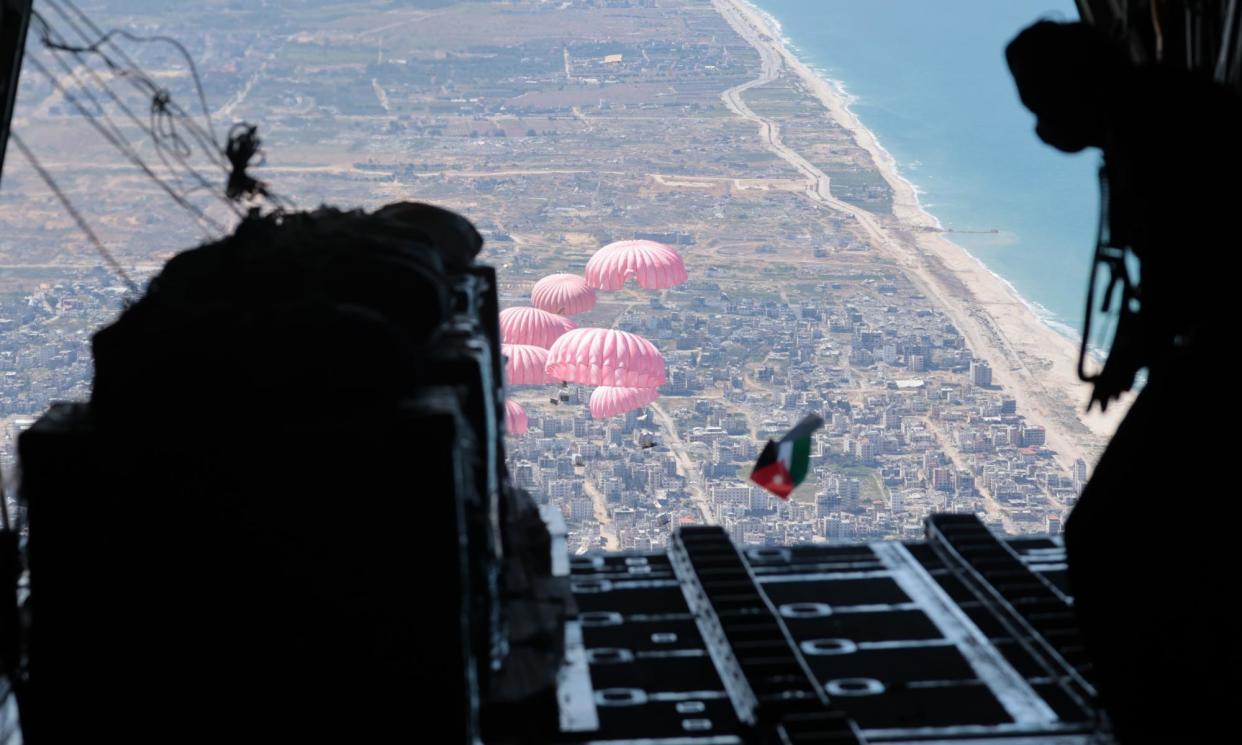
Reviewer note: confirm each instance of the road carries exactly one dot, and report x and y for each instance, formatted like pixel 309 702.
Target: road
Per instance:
pixel 396 24
pixel 381 95
pixel 693 482
pixel 973 322
pixel 225 112
pixel 583 118
pixel 993 508
pixel 606 527
pixel 769 131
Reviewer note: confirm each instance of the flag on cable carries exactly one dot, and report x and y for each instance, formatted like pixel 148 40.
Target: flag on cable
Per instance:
pixel 783 465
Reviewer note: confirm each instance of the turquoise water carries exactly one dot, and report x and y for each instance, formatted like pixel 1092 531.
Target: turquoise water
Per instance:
pixel 929 79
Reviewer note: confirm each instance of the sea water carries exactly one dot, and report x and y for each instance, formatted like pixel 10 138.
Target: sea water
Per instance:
pixel 928 77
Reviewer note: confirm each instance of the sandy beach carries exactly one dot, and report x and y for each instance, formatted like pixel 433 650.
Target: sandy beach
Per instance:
pixel 1030 360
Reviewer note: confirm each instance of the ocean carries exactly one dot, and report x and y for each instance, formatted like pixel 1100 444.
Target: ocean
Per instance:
pixel 929 79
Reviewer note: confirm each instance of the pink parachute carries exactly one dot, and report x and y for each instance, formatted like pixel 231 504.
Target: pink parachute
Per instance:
pixel 654 265
pixel 606 357
pixel 609 400
pixel 566 294
pixel 515 417
pixel 526 325
pixel 525 364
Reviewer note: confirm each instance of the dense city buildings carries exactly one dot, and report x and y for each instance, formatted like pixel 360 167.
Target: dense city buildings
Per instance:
pixel 558 128
pixel 895 447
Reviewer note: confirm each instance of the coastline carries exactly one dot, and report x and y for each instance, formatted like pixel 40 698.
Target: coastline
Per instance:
pixel 1030 358
pixel 889 161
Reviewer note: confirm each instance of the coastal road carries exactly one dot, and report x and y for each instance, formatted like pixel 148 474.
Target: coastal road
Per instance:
pixel 770 67
pixel 975 324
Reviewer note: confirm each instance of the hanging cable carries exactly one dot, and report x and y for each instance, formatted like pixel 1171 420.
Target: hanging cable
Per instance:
pixel 179 151
pixel 125 149
pixel 161 126
pixel 1123 359
pixel 45 35
pixel 136 77
pixel 104 253
pixel 5 523
pixel 95 39
pixel 1157 29
pixel 1221 73
pixel 100 38
pixel 164 114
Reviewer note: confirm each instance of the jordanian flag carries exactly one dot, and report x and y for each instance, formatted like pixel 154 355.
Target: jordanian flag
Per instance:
pixel 783 465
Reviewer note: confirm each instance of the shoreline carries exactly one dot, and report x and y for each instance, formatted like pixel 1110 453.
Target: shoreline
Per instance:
pixel 1030 358
pixel 890 161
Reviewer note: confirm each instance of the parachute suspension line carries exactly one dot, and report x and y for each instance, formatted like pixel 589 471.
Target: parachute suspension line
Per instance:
pixel 1158 29
pixel 133 70
pixel 1084 10
pixel 161 127
pixel 45 32
pixel 5 522
pixel 1100 240
pixel 1226 42
pixel 164 110
pixel 104 253
pixel 1111 256
pixel 138 79
pixel 1190 38
pixel 161 101
pixel 125 150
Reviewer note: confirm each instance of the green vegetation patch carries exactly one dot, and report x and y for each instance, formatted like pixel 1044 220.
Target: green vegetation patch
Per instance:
pixel 862 188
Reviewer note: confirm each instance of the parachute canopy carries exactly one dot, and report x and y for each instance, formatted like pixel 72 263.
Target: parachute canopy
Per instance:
pixel 593 356
pixel 525 364
pixel 526 325
pixel 566 294
pixel 608 400
pixel 654 265
pixel 515 417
